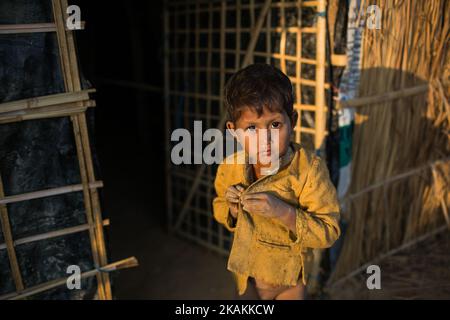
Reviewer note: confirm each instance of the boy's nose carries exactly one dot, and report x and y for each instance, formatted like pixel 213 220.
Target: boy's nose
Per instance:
pixel 264 136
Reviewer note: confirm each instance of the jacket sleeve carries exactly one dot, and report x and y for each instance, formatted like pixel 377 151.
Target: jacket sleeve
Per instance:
pixel 317 218
pixel 221 211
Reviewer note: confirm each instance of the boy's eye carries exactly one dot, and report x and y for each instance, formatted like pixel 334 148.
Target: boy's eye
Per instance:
pixel 276 124
pixel 251 128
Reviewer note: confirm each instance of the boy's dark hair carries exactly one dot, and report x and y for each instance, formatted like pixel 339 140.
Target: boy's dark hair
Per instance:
pixel 257 86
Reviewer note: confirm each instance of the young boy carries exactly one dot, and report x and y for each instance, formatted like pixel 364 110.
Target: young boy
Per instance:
pixel 276 217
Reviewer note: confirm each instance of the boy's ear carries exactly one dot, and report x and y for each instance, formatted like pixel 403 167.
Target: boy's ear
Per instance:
pixel 230 126
pixel 294 118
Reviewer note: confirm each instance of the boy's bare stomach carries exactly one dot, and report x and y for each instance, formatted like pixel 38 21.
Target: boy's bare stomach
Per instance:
pixel 267 291
pixel 258 289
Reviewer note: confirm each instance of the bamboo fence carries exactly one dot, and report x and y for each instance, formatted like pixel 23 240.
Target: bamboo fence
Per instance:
pixel 205 43
pixel 72 103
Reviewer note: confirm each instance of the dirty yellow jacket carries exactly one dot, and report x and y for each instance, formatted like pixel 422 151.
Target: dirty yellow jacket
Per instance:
pixel 264 248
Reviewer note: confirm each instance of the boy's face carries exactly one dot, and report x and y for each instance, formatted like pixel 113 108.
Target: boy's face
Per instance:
pixel 275 125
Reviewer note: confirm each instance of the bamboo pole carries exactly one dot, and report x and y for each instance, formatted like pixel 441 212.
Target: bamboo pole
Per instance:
pixel 58 14
pixel 72 83
pixel 63 110
pixel 52 234
pixel 31 28
pixel 283 37
pixel 73 61
pixel 42 115
pixel 86 151
pixel 7 234
pixel 88 206
pixel 276 55
pixel 319 141
pixel 95 202
pixel 392 179
pixel 268 36
pixel 255 33
pixel 231 6
pixel 298 87
pixel 45 101
pixel 384 97
pixel 27 28
pixel 239 30
pixel 312 30
pixel 122 264
pixel 339 60
pixel 319 121
pixel 252 25
pixel 4 200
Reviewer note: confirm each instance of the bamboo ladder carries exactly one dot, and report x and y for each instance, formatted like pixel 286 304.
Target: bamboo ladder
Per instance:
pixel 74 103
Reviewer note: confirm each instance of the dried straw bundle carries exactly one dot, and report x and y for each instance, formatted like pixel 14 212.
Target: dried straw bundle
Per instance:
pixel 397 136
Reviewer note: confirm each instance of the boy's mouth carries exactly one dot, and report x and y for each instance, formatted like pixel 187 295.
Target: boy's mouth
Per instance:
pixel 265 153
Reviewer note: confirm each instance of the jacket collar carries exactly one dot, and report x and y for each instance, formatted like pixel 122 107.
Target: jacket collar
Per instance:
pixel 285 160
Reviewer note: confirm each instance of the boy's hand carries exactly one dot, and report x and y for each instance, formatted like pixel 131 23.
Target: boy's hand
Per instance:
pixel 232 196
pixel 268 205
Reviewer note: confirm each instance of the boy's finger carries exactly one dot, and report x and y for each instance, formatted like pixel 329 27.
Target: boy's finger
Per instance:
pixel 240 188
pixel 232 194
pixel 233 190
pixel 233 200
pixel 255 195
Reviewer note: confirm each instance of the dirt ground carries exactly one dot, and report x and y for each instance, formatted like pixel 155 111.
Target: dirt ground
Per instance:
pixel 169 267
pixel 421 272
pixel 174 268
